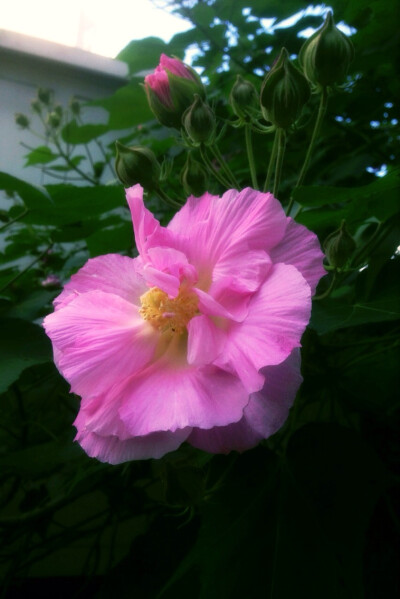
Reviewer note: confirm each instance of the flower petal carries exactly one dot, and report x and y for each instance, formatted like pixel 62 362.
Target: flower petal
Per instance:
pixel 205 341
pixel 278 314
pixel 167 397
pixel 148 231
pixel 167 268
pixel 100 340
pixel 234 224
pixel 265 413
pixel 115 451
pixel 111 273
pixel 301 248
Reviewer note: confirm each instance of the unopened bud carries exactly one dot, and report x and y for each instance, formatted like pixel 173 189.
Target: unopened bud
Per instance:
pixel 36 107
pixel 44 95
pixel 326 56
pixel 170 90
pixel 284 92
pixel 339 247
pixel 244 99
pixel 75 106
pixel 53 120
pixel 21 120
pixel 137 164
pixel 199 122
pixel 194 177
pixel 58 109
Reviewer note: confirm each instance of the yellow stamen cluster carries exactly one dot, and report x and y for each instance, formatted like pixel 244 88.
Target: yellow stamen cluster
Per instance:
pixel 166 314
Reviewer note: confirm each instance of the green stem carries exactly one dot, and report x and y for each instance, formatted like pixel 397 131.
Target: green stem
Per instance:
pixel 70 163
pixel 320 116
pixel 329 290
pixel 165 197
pixel 22 272
pixel 13 220
pixel 370 244
pixel 272 161
pixel 250 156
pixel 279 160
pixel 219 176
pixel 224 166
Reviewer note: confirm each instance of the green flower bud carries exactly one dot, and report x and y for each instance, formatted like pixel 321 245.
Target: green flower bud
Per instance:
pixel 58 109
pixel 326 56
pixel 199 122
pixel 75 106
pixel 284 92
pixel 53 120
pixel 36 107
pixel 194 177
pixel 44 95
pixel 244 99
pixel 339 246
pixel 137 165
pixel 21 120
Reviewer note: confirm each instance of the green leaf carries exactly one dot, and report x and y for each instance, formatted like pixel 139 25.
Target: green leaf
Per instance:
pixel 111 240
pixel 376 199
pixel 22 344
pixel 71 204
pixel 40 155
pixel 143 54
pixel 127 107
pixel 34 197
pixel 81 134
pixel 331 314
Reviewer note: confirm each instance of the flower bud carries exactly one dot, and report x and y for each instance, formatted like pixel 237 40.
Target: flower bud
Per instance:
pixel 284 92
pixel 21 120
pixel 199 122
pixel 137 164
pixel 53 120
pixel 75 106
pixel 194 177
pixel 58 109
pixel 44 95
pixel 244 99
pixel 339 246
pixel 170 90
pixel 326 56
pixel 36 107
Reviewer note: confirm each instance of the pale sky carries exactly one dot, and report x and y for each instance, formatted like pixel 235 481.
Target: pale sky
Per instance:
pixel 100 27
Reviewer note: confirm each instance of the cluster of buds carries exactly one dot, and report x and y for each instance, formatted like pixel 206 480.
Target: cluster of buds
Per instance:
pixel 176 97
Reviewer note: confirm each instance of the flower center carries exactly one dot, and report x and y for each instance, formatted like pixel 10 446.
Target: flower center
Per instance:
pixel 166 314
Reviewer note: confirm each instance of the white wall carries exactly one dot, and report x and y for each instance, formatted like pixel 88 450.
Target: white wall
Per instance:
pixel 27 63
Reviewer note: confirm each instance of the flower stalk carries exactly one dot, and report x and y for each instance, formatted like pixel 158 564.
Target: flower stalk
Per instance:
pixel 250 156
pixel 279 159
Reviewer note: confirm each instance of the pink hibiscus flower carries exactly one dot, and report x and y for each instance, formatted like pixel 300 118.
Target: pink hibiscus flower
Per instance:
pixel 195 340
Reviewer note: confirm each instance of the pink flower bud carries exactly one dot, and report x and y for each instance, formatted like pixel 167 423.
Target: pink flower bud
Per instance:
pixel 170 90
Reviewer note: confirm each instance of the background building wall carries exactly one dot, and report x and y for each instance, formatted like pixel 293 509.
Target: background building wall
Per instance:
pixel 27 63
